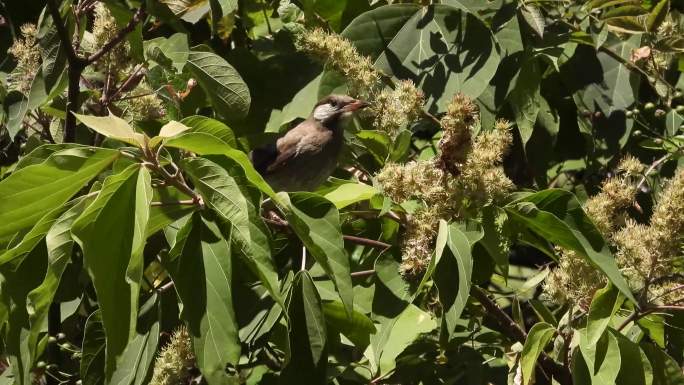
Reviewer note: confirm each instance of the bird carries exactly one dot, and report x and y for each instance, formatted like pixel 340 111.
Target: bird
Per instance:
pixel 306 155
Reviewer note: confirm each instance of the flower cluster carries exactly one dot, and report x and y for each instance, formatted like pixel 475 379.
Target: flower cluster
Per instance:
pixel 646 254
pixel 104 30
pixel 173 364
pixel 575 279
pixel 482 178
pixel 395 108
pixel 343 57
pixel 443 194
pixel 456 124
pixel 143 104
pixel 26 53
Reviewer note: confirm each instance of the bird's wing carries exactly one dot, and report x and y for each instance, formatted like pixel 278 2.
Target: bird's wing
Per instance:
pixel 306 138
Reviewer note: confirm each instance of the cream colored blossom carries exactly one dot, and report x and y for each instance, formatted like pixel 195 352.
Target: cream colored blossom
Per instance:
pixel 418 243
pixel 25 51
pixel 457 125
pixel 172 366
pixel 104 30
pixel 395 108
pixel 143 104
pixel 342 56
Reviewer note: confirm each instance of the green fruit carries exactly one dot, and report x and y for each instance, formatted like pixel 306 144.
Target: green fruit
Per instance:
pixel 637 133
pixel 61 337
pixel 41 364
pixel 629 114
pixel 636 111
pixel 649 106
pixel 679 108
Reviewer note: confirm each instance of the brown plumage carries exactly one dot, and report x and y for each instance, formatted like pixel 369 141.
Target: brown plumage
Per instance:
pixel 306 155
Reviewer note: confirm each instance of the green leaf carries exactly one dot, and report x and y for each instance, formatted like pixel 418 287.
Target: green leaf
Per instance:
pixel 134 364
pixel 238 206
pixel 444 50
pixel 525 98
pixel 626 10
pixel 634 367
pixel 357 328
pixel 200 266
pixel 31 192
pixel 557 216
pixel 618 86
pixel 111 233
pixel 93 349
pixel 410 325
pixel 162 216
pixel 32 238
pixel 657 15
pixel 16 112
pixel 453 293
pixel 113 127
pixel 19 339
pixel 378 144
pixel 666 371
pixel 198 123
pixel 316 222
pixel 308 335
pixel 538 337
pixel 206 144
pixel 534 18
pixel 59 245
pixel 605 304
pixel 226 89
pixel 350 193
pixel 169 130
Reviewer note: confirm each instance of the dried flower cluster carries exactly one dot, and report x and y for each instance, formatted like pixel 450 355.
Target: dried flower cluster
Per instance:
pixel 343 57
pixel 395 108
pixel 444 194
pixel 172 366
pixel 26 53
pixel 646 254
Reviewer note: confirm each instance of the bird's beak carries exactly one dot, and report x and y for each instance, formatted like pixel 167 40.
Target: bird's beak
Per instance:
pixel 355 105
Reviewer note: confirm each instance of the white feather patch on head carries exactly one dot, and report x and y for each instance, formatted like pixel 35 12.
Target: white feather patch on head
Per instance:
pixel 324 111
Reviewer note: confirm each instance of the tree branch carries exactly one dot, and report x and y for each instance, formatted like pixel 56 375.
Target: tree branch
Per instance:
pixel 512 330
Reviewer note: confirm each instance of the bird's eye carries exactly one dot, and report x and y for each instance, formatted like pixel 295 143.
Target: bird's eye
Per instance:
pixel 333 103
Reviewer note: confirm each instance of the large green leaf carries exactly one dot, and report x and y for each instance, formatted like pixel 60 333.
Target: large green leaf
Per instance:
pixel 308 335
pixel 350 193
pixel 537 338
pixel 59 245
pixel 133 367
pixel 201 268
pixel 557 216
pixel 111 233
pixel 525 97
pixel 20 341
pixel 618 85
pixel 443 49
pixel 204 143
pixel 357 328
pixel 93 351
pixel 226 89
pixel 198 123
pixel 453 293
pixel 316 222
pixel 112 126
pixel 237 205
pixel 17 111
pixel 31 192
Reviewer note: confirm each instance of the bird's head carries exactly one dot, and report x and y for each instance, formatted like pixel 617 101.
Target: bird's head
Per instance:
pixel 331 108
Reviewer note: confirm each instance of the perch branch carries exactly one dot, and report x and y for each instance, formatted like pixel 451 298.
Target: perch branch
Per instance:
pixel 512 330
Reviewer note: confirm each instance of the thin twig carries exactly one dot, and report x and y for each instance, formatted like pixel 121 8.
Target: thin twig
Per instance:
pixel 650 169
pixel 510 328
pixel 366 242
